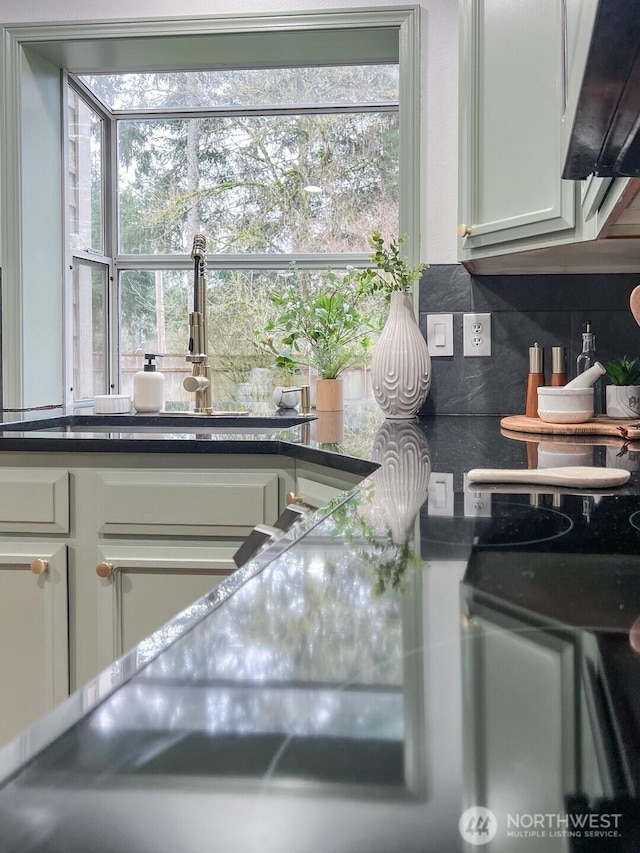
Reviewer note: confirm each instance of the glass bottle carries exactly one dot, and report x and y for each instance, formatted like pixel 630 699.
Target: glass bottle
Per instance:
pixel 587 359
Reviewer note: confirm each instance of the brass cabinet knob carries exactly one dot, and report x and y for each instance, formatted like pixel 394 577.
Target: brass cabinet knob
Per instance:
pixel 105 569
pixel 39 566
pixel 464 230
pixel 292 498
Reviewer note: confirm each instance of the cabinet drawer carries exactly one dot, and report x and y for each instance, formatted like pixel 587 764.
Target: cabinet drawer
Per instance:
pixel 198 503
pixel 34 501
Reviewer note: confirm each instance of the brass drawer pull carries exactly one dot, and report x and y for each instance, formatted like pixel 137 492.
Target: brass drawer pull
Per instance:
pixel 292 498
pixel 39 566
pixel 464 230
pixel 105 569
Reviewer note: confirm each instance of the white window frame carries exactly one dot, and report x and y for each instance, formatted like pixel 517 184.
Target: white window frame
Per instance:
pixel 22 359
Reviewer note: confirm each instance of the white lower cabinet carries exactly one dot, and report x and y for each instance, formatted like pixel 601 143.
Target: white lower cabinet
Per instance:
pixel 34 646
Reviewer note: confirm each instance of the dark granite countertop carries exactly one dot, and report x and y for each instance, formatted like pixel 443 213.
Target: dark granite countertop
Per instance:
pixel 413 650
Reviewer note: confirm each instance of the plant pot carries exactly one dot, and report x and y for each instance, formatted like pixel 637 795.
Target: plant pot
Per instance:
pixel 330 427
pixel 623 401
pixel 401 365
pixel 329 395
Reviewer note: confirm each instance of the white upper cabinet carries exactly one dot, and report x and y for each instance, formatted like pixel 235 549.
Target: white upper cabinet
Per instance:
pixel 521 68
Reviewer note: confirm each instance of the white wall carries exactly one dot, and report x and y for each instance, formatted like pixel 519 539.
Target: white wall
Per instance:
pixel 439 120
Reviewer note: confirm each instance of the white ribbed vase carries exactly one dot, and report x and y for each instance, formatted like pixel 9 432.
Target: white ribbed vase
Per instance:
pixel 401 365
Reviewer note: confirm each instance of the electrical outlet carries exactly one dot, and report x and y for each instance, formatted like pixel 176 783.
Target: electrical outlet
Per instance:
pixel 476 503
pixel 476 334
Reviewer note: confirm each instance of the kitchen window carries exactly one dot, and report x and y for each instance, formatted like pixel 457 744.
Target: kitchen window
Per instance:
pixel 277 167
pixel 72 262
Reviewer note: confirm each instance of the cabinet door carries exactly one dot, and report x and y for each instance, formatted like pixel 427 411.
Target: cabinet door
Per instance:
pixel 317 486
pixel 511 107
pixel 34 652
pixel 518 726
pixel 142 586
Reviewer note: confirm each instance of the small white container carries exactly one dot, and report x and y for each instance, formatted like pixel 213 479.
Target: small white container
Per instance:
pixel 148 388
pixel 562 405
pixel 112 404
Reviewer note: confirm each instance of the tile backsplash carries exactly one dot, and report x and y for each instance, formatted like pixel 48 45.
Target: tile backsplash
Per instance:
pixel 549 309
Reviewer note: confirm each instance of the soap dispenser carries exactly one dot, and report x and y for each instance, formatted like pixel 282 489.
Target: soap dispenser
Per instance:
pixel 148 387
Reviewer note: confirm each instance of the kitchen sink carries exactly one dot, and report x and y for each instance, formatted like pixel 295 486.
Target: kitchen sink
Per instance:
pixel 163 423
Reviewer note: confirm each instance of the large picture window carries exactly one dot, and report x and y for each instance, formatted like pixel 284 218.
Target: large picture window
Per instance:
pixel 282 169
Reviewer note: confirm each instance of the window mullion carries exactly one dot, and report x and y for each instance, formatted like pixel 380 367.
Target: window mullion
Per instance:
pixel 111 236
pixel 239 112
pixel 248 261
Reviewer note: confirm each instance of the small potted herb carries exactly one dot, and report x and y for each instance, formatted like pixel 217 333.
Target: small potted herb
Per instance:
pixel 322 324
pixel 623 395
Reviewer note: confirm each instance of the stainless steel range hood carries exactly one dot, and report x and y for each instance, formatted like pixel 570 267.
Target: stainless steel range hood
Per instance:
pixel 605 139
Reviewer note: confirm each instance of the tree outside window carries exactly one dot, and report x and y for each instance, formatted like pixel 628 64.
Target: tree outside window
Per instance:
pixel 279 168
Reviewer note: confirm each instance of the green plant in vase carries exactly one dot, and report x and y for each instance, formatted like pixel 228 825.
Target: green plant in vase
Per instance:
pixel 623 395
pixel 391 273
pixel 322 324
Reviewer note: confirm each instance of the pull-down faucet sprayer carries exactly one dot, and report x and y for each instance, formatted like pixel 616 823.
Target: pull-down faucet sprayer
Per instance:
pixel 200 379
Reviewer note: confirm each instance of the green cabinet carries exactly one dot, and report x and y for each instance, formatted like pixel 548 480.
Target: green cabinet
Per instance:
pixel 122 543
pixel 521 68
pixel 34 648
pixel 317 485
pixel 512 100
pixel 140 586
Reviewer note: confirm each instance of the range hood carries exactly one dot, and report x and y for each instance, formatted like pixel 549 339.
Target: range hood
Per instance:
pixel 605 139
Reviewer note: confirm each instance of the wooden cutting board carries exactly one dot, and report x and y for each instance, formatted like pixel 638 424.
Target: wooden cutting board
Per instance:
pixel 600 425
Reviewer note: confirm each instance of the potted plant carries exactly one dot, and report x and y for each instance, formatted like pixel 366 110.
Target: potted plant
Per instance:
pixel 321 324
pixel 401 365
pixel 623 395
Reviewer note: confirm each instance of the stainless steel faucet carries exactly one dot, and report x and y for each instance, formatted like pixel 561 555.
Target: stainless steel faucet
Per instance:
pixel 200 379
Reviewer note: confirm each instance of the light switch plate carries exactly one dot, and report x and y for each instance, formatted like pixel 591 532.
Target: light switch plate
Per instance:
pixel 440 334
pixel 440 501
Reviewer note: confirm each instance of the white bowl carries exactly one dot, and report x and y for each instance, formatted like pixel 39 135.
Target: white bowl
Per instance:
pixel 112 404
pixel 553 454
pixel 565 405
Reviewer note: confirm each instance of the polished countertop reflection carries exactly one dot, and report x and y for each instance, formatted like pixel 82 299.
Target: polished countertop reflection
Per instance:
pixel 415 649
